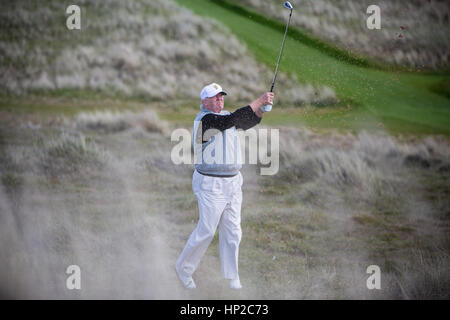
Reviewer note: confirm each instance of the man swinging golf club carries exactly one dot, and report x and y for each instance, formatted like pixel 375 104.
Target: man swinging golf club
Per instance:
pixel 217 184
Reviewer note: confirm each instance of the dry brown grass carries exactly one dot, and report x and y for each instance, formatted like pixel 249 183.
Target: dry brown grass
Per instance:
pixel 340 202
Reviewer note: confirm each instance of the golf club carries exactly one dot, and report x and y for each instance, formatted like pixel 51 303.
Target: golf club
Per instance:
pixel 289 6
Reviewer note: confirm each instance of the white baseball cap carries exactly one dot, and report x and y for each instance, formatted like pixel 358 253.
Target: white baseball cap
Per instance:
pixel 211 90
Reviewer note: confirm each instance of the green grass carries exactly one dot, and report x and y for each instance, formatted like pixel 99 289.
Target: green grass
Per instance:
pixel 403 102
pixel 70 102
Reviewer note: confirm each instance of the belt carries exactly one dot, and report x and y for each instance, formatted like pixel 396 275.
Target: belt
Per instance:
pixel 216 175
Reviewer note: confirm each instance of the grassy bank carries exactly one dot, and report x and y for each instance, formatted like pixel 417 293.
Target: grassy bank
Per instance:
pixel 401 101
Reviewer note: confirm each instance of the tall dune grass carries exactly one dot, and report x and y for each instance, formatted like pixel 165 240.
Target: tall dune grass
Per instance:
pixel 110 121
pixel 148 49
pixel 367 169
pixel 376 200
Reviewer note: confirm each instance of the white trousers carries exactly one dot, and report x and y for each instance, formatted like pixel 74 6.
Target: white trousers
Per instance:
pixel 219 204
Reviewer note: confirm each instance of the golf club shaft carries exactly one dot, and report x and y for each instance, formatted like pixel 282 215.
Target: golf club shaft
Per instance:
pixel 281 52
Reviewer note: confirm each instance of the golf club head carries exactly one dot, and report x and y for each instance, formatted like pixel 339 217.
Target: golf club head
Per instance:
pixel 288 5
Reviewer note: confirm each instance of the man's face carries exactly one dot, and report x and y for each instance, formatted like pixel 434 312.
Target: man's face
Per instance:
pixel 215 104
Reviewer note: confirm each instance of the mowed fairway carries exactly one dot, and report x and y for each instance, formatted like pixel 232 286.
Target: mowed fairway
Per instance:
pixel 397 101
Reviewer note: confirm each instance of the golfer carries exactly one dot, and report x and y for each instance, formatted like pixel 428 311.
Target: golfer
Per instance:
pixel 217 182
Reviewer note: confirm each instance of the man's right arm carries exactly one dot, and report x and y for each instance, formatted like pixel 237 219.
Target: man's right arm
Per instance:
pixel 243 118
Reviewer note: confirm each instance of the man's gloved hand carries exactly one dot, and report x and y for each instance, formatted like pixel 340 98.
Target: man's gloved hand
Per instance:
pixel 266 101
pixel 262 101
pixel 266 108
